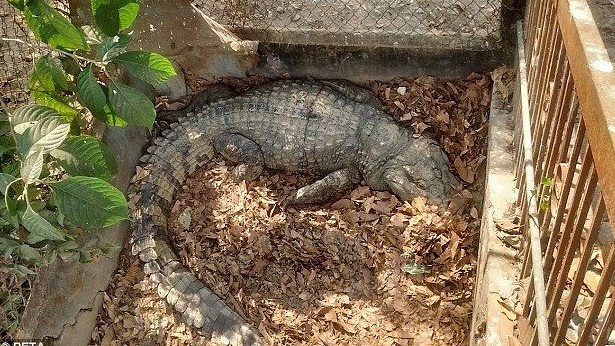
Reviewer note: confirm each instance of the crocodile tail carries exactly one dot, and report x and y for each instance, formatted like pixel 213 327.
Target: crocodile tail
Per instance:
pixel 175 156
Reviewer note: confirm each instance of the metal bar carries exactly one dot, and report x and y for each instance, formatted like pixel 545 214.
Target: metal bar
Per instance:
pixel 586 169
pixel 523 208
pixel 552 140
pixel 568 249
pixel 554 143
pixel 558 274
pixel 599 295
pixel 536 253
pixel 562 148
pixel 535 27
pixel 534 31
pixel 536 44
pixel 593 74
pixel 562 204
pixel 517 140
pixel 579 276
pixel 556 112
pixel 607 325
pixel 540 85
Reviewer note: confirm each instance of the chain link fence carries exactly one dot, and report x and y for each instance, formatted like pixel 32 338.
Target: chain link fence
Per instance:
pixel 18 51
pixel 447 24
pixel 451 24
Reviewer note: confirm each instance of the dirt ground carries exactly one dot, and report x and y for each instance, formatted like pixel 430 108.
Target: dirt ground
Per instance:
pixel 362 269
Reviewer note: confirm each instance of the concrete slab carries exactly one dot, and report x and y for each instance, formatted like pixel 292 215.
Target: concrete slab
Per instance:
pixel 497 272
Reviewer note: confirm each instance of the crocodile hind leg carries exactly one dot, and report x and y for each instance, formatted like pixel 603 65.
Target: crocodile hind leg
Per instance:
pixel 325 188
pixel 243 151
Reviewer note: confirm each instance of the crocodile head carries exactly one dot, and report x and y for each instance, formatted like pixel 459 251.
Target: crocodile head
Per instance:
pixel 421 171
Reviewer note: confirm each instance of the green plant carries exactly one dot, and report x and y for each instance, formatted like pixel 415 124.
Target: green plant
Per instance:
pixel 545 193
pixel 411 267
pixel 54 176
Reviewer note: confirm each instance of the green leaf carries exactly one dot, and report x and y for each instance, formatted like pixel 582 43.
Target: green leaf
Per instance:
pixel 27 116
pixel 54 101
pixel 92 95
pixel 49 26
pixel 7 246
pixel 46 135
pixel 414 268
pixel 32 166
pixel 9 213
pixel 113 16
pixel 39 228
pixel 28 253
pixel 46 84
pixel 5 127
pixel 111 47
pixel 5 181
pixel 131 105
pixel 86 155
pixel 70 66
pixel 92 35
pixel 150 67
pixel 20 4
pixel 90 202
pixel 68 246
pixel 110 117
pixel 47 75
pixel 546 182
pixel 21 270
pixel 11 168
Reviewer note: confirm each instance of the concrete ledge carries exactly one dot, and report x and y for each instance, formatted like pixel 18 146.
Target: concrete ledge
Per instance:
pixel 497 272
pixel 359 64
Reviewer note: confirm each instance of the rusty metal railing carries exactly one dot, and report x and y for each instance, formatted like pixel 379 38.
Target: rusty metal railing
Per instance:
pixel 566 93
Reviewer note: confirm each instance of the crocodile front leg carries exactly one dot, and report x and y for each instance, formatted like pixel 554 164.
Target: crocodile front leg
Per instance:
pixel 243 151
pixel 325 188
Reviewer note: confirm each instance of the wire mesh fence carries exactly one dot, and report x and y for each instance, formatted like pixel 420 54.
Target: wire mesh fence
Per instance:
pixel 447 24
pixel 468 24
pixel 18 51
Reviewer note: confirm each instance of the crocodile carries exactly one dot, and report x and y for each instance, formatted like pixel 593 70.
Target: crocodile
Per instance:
pixel 329 130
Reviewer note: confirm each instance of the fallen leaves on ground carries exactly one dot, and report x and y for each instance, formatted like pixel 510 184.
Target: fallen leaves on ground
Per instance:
pixel 363 269
pixel 14 293
pixel 453 112
pixel 330 274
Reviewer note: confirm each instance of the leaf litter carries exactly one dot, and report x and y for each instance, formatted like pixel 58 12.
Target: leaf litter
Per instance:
pixel 363 268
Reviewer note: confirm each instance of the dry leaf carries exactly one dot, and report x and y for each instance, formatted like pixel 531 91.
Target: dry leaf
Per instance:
pixel 464 171
pixel 185 219
pixel 343 204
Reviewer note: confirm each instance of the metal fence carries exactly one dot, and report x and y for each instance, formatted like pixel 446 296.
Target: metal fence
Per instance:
pixel 448 24
pixel 468 24
pixel 16 58
pixel 565 141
